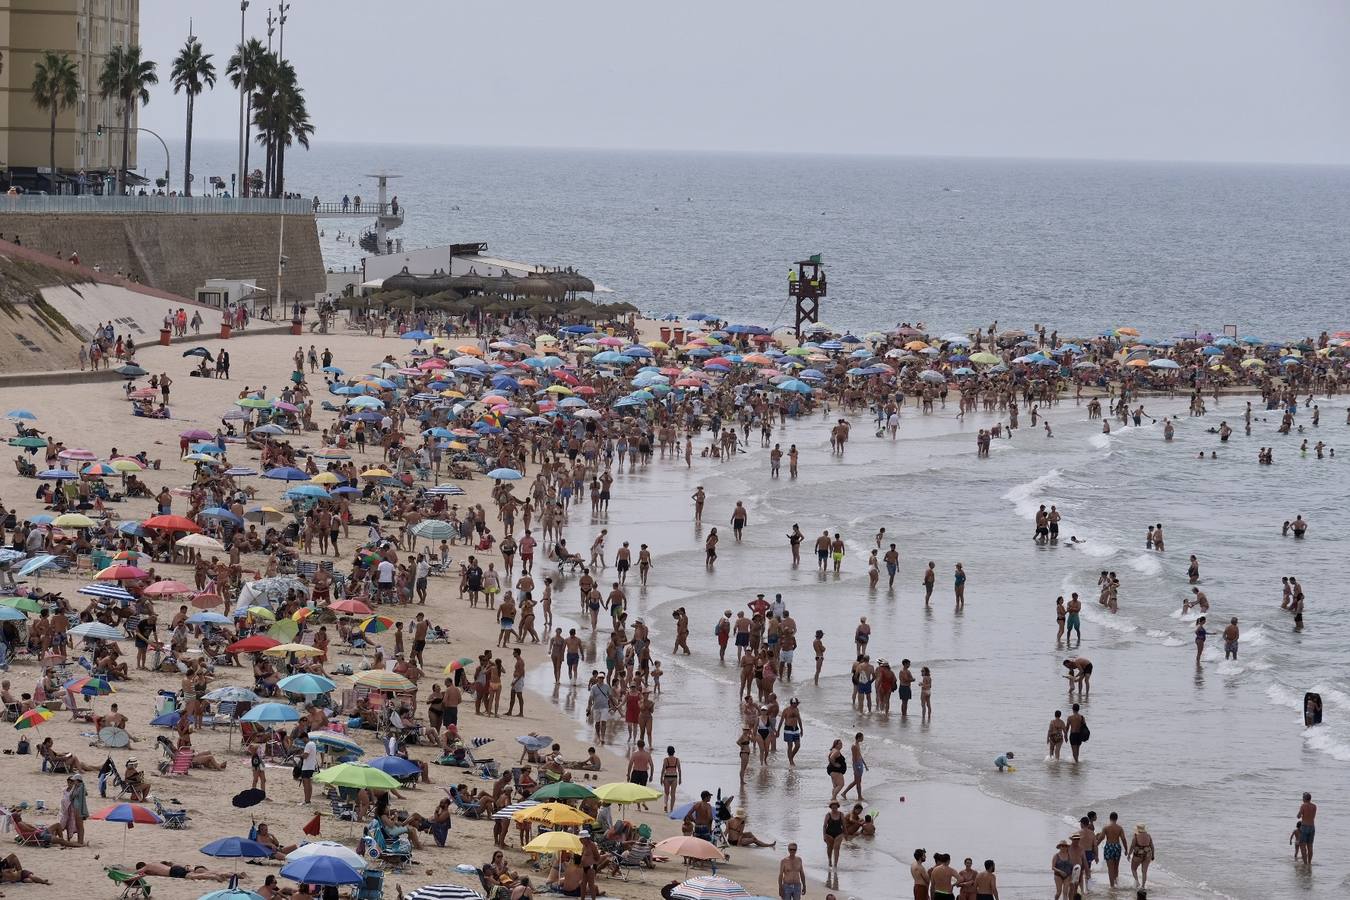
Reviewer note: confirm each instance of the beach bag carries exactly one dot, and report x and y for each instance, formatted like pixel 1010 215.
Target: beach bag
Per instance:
pixel 296 770
pixel 1086 734
pixel 24 748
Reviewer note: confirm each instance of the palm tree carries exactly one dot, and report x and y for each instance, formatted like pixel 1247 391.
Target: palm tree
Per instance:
pixel 282 118
pixel 128 78
pixel 193 72
pixel 243 70
pixel 56 86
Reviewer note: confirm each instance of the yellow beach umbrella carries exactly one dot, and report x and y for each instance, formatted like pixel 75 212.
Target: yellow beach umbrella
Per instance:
pixel 1252 361
pixel 658 345
pixel 262 612
pixel 297 649
pixel 555 842
pixel 559 389
pixel 916 345
pixel 377 473
pixel 559 815
pixel 73 520
pixel 325 478
pixel 625 792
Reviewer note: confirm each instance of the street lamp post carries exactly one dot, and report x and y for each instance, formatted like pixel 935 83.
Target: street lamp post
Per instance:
pixel 243 90
pixel 168 164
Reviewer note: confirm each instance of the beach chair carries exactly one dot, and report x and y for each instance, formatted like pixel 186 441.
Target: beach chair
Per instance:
pixel 52 765
pixel 131 885
pixel 175 819
pixel 394 854
pixel 179 764
pixel 371 886
pixel 468 810
pixel 343 807
pixel 26 835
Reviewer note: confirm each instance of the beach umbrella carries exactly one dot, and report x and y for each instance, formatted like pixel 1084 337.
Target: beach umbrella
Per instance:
pixel 276 587
pixel 443 892
pixel 689 847
pixel 167 720
pixel 127 813
pixel 559 815
pixel 375 624
pixel 208 618
pixel 232 694
pixel 197 434
pixel 167 588
pixel 351 607
pixel 172 523
pixel 325 479
pixel 932 375
pixel 395 766
pixel 710 887
pixel 433 529
pixel 554 842
pixel 21 415
pixel 286 473
pixel 1164 364
pixel 30 441
pixel 624 792
pixel 130 371
pixel 307 492
pixel 297 649
pixel 220 513
pixel 74 520
pixel 320 869
pixel 90 686
pixel 121 573
pixel 264 514
pixel 505 475
pixel 10 614
pixel 563 790
pixel 23 604
pixel 107 591
pixel 304 683
pixel 97 631
pixel 506 812
pixel 206 600
pixel 253 403
pixel 237 848
pixel 330 849
pixel 37 564
pixel 456 664
pixel 200 542
pixel 383 680
pixel 240 471
pixel 32 718
pixel 234 893
pixel 356 775
pixel 57 475
pixel 534 742
pixel 334 741
pixel 271 712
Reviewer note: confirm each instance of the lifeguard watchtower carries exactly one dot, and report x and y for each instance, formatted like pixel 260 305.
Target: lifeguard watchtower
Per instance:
pixel 806 285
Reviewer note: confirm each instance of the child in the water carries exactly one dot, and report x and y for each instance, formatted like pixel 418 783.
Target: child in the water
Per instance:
pixel 1004 762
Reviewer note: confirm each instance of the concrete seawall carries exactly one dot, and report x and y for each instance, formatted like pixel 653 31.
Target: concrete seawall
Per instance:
pixel 177 253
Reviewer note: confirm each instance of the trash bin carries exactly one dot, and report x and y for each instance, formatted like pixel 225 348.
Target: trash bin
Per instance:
pixel 679 335
pixel 224 331
pixel 297 327
pixel 165 336
pixel 665 333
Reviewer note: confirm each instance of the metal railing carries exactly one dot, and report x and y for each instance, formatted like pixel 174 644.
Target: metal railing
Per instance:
pixel 356 209
pixel 92 204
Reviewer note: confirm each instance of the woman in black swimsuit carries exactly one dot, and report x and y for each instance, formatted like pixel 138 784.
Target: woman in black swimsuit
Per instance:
pixel 836 767
pixel 834 834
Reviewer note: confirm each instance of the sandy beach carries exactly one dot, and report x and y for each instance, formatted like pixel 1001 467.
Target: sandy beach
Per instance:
pixel 98 417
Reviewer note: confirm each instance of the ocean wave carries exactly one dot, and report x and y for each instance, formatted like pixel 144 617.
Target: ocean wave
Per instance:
pixel 1321 739
pixel 1026 497
pixel 1114 622
pixel 1146 564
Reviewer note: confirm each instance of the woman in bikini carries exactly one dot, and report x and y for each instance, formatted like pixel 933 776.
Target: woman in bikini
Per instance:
pixel 671 776
pixel 744 742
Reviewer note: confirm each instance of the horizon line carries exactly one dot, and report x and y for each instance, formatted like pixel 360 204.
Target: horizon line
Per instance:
pixel 716 151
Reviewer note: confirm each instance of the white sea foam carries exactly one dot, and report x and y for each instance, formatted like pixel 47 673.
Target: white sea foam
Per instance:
pixel 1026 497
pixel 1146 563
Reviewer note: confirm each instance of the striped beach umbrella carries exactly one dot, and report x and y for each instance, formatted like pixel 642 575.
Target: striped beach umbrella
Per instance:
pixel 385 681
pixel 709 887
pixel 444 892
pixel 107 591
pixel 97 631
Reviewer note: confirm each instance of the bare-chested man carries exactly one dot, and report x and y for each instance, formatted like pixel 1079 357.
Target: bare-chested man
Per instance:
pixel 919 874
pixel 791 876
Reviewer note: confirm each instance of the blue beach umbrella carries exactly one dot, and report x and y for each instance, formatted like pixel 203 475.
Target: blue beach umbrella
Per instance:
pixel 306 683
pixel 395 766
pixel 323 870
pixel 286 473
pixel 505 475
pixel 237 848
pixel 271 712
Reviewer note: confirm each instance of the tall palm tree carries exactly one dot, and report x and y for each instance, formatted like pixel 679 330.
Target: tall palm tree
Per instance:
pixel 128 78
pixel 282 118
pixel 56 86
pixel 193 72
pixel 243 70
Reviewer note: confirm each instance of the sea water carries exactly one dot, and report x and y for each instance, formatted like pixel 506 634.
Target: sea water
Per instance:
pixel 1213 759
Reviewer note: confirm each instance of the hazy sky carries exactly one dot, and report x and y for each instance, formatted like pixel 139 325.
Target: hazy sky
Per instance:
pixel 1160 79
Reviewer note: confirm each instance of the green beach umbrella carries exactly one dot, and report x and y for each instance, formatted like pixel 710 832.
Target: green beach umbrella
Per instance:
pixel 356 775
pixel 27 604
pixel 562 790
